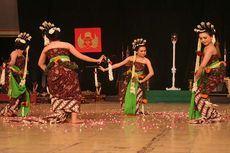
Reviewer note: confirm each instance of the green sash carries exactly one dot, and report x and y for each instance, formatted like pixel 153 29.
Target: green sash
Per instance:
pixel 63 58
pixel 130 98
pixel 15 90
pixel 195 114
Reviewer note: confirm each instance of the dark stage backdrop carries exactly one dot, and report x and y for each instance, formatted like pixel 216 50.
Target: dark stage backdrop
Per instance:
pixel 121 22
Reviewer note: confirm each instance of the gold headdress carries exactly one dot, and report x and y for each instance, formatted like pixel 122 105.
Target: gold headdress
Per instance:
pixel 23 38
pixel 138 42
pixel 206 27
pixel 49 28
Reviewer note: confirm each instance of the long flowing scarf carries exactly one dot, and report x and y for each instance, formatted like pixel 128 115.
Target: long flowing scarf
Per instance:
pixel 3 74
pixel 96 78
pixel 193 113
pixel 130 97
pixel 132 88
pixel 110 72
pixel 16 90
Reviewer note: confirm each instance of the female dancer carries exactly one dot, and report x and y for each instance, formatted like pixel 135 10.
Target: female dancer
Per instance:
pixel 133 88
pixel 62 78
pixel 19 96
pixel 209 74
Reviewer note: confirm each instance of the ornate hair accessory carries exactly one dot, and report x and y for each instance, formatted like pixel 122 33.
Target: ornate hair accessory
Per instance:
pixel 48 27
pixel 204 27
pixel 23 38
pixel 138 42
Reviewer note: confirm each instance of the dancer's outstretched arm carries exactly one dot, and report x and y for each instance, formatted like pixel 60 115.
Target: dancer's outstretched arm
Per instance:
pixel 117 65
pixel 83 57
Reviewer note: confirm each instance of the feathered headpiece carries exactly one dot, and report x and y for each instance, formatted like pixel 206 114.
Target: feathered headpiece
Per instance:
pixel 205 27
pixel 138 42
pixel 23 38
pixel 49 28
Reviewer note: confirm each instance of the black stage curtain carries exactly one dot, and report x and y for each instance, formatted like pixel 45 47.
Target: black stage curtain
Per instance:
pixel 121 22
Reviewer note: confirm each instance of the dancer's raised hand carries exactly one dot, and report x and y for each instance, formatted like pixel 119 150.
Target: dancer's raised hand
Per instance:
pixel 101 59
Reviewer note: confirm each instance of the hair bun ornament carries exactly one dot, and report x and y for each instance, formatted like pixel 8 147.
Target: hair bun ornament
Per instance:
pixel 48 27
pixel 138 42
pixel 23 38
pixel 205 27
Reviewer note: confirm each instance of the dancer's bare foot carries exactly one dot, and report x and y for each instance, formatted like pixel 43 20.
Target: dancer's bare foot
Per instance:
pixel 78 121
pixel 75 120
pixel 192 122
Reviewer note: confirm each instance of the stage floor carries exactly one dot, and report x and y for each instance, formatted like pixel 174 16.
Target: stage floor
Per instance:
pixel 107 130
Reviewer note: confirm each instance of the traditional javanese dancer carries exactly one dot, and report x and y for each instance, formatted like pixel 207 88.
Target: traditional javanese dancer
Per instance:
pixel 19 104
pixel 62 78
pixel 208 75
pixel 133 87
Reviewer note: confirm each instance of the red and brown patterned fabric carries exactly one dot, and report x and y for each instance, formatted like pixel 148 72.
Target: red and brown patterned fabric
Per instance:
pixel 64 87
pixel 63 82
pixel 11 109
pixel 208 82
pixel 139 67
